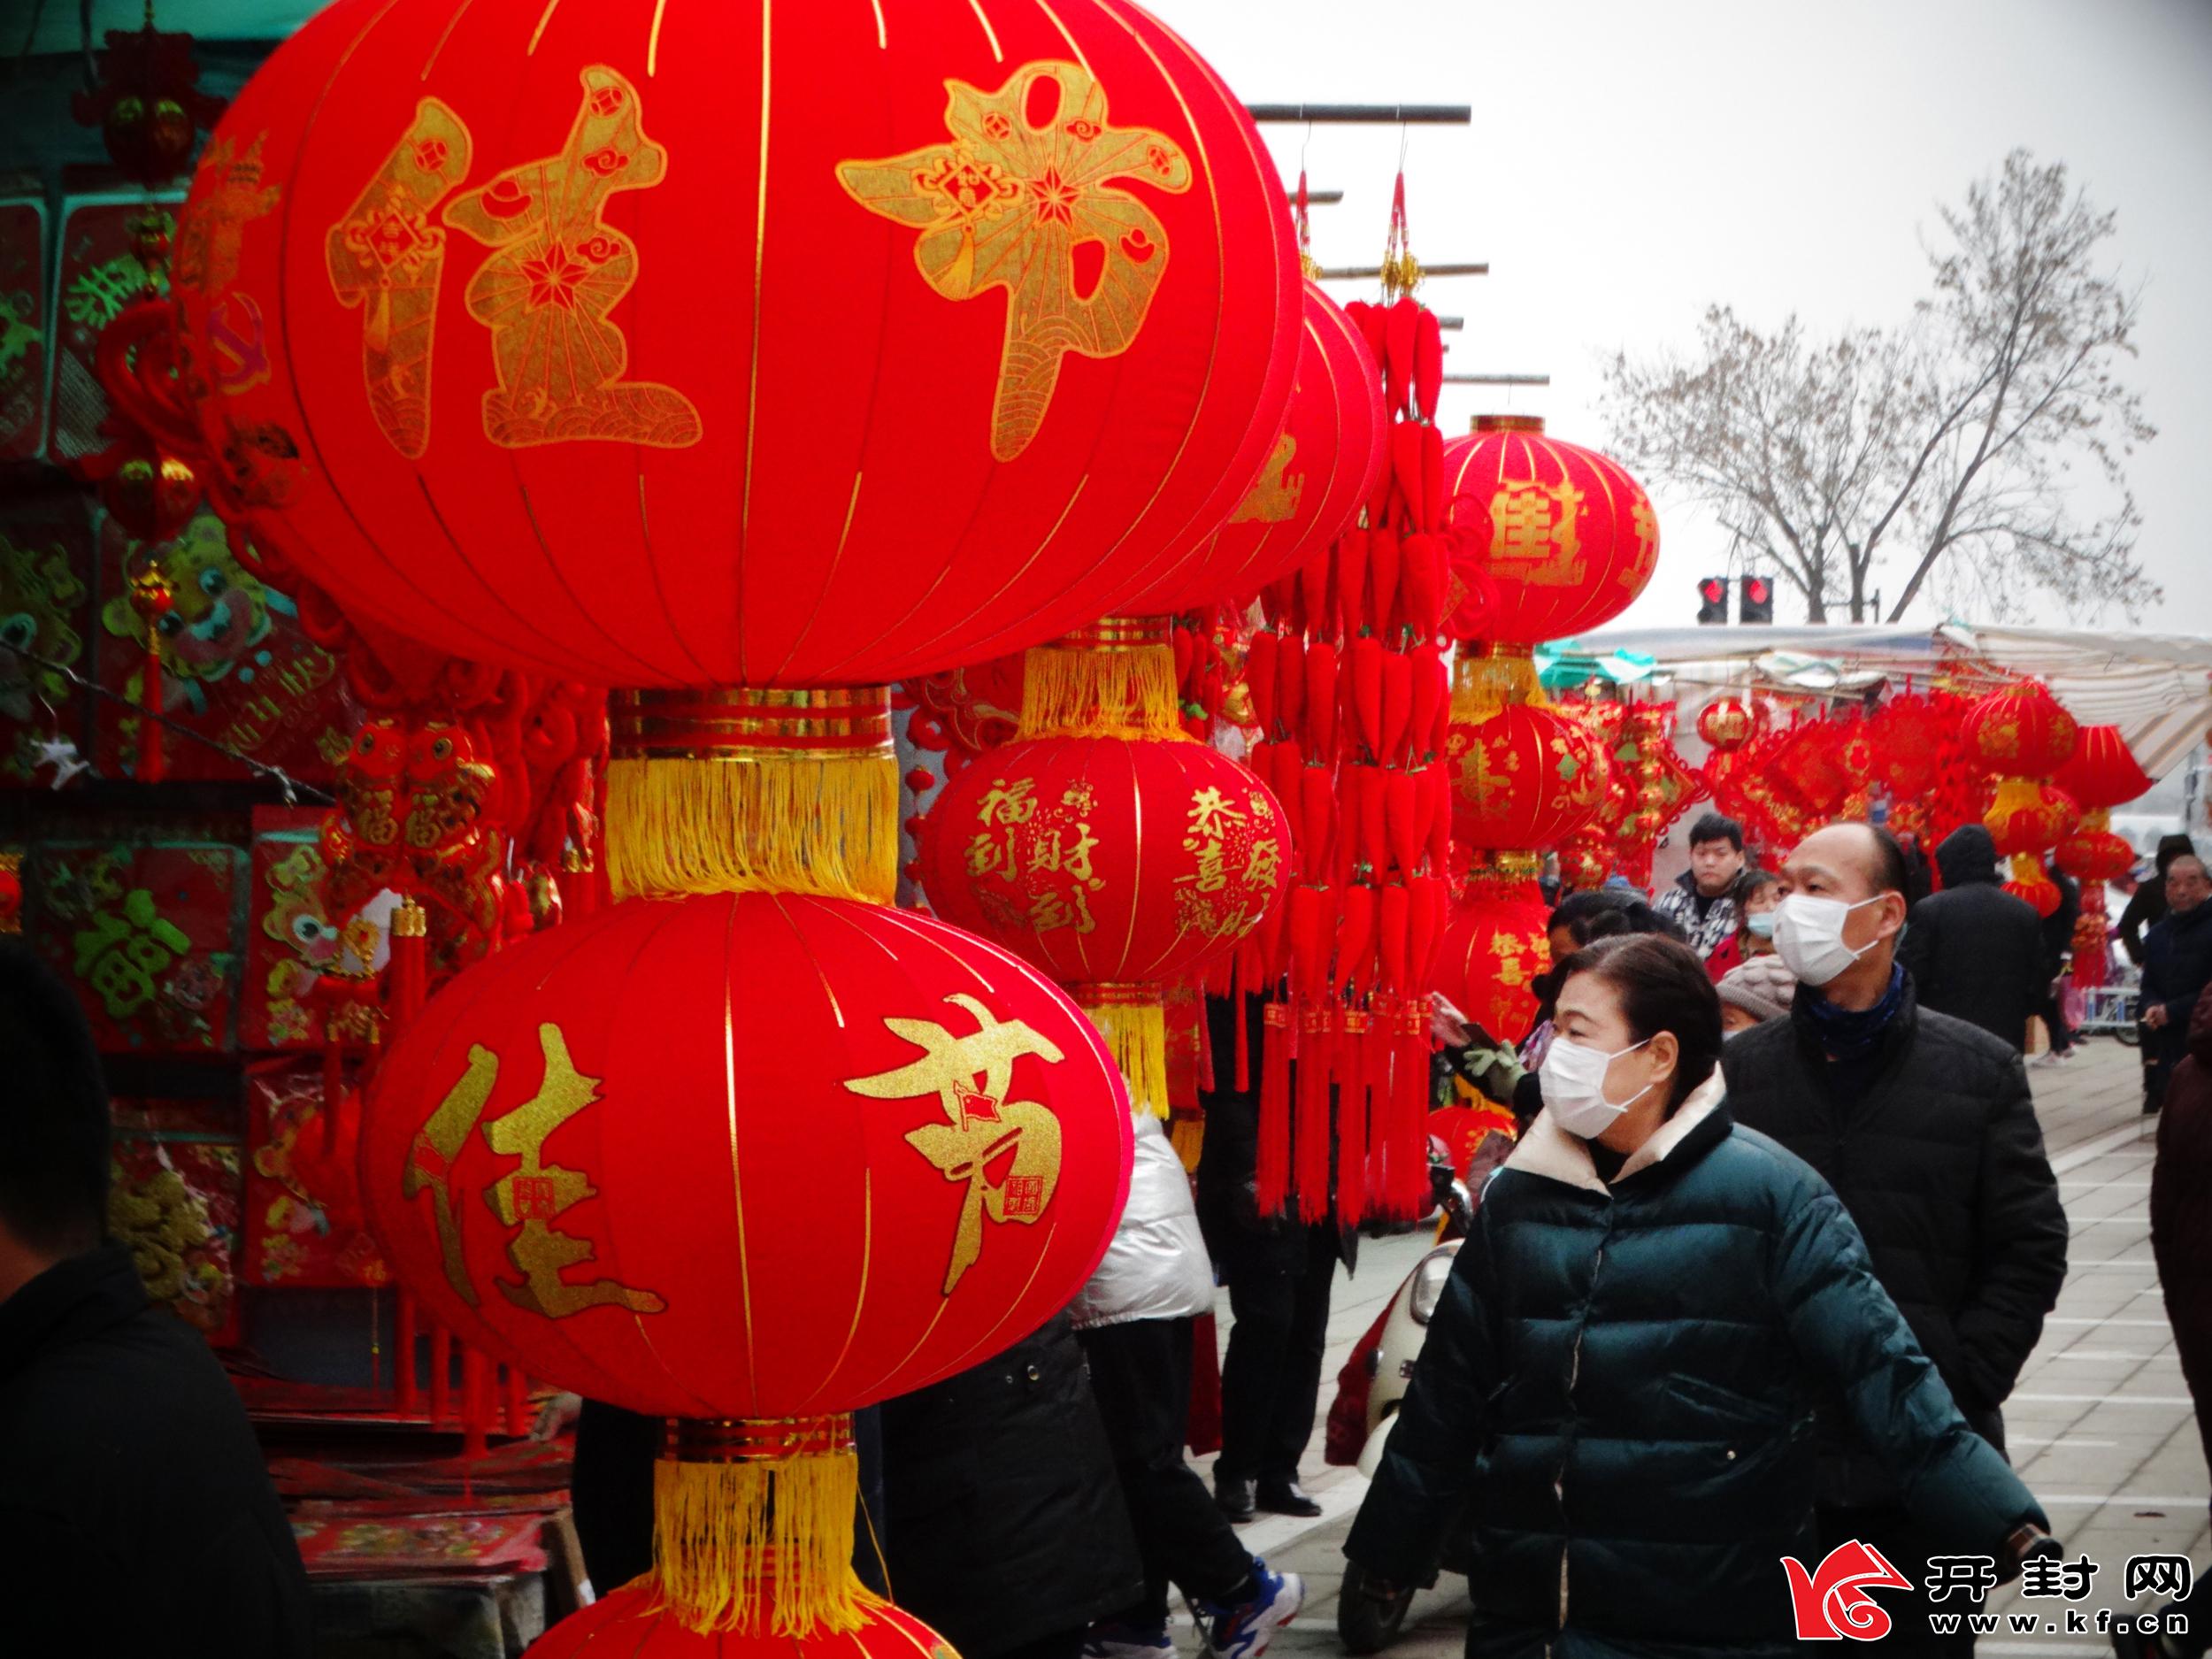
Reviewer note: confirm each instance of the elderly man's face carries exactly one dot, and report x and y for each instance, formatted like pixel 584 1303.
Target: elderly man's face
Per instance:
pixel 2186 884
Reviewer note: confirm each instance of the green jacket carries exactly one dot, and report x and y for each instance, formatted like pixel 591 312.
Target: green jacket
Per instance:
pixel 1621 1382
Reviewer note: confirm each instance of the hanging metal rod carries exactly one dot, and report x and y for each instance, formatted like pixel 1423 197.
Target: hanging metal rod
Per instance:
pixel 1497 380
pixel 1448 324
pixel 1366 114
pixel 1318 198
pixel 1351 273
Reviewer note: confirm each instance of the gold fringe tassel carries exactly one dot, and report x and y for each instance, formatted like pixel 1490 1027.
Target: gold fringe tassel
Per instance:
pixel 1186 1133
pixel 1133 1021
pixel 1487 678
pixel 757 1547
pixel 1084 691
pixel 824 827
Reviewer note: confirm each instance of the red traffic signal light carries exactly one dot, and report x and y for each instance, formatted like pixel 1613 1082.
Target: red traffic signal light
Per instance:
pixel 1712 599
pixel 1755 601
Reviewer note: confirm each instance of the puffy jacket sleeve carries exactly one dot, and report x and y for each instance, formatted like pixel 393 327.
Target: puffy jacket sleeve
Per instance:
pixel 1429 1466
pixel 1850 1336
pixel 2019 1245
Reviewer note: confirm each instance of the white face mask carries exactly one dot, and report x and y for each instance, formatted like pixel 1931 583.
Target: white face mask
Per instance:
pixel 1573 1083
pixel 1808 937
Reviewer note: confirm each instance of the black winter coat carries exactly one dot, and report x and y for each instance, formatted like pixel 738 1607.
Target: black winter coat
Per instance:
pixel 136 1514
pixel 2177 967
pixel 1974 951
pixel 1006 1519
pixel 1622 1381
pixel 1941 1162
pixel 2147 905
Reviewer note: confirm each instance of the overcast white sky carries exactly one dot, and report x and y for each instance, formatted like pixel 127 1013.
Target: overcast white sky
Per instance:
pixel 1631 162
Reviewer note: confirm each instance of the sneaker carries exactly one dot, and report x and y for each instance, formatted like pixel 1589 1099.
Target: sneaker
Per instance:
pixel 2053 1056
pixel 1107 1640
pixel 1244 1632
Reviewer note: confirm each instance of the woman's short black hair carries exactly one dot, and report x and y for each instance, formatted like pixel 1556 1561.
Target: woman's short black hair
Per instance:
pixel 1663 986
pixel 1578 912
pixel 1752 883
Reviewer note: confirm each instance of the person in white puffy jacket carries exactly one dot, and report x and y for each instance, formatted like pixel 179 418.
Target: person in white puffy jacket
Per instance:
pixel 1133 1320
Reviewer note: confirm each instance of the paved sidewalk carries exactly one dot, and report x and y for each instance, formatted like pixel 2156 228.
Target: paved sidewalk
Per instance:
pixel 2101 1424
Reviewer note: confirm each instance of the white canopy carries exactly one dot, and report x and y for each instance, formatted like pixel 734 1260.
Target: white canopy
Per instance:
pixel 2155 688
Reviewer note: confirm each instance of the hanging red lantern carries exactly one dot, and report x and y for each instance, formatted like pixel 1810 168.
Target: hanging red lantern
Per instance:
pixel 2092 853
pixel 2020 731
pixel 1495 945
pixel 1116 866
pixel 2102 771
pixel 633 1622
pixel 1325 463
pixel 711 345
pixel 1524 776
pixel 1912 733
pixel 1727 724
pixel 2029 815
pixel 1561 537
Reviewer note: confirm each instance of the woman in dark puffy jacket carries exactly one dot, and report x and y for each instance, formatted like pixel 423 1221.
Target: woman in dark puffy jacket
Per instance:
pixel 1620 1377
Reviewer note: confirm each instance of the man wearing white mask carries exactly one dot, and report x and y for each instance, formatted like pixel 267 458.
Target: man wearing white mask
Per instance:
pixel 1924 1126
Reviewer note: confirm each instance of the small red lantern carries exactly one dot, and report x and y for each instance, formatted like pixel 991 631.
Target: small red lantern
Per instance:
pixel 2020 731
pixel 1494 945
pixel 1563 536
pixel 1524 777
pixel 2029 815
pixel 718 344
pixel 1727 724
pixel 2092 853
pixel 1114 865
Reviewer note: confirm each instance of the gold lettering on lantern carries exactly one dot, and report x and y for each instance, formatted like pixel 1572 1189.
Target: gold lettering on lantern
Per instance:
pixel 1537 526
pixel 557 271
pixel 1224 844
pixel 1012 204
pixel 531 1196
pixel 1007 1151
pixel 231 197
pixel 386 256
pixel 1274 495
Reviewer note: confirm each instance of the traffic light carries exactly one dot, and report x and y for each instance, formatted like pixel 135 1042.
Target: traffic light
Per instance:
pixel 1712 599
pixel 1755 600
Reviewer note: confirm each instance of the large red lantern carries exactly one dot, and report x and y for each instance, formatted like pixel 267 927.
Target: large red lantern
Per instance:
pixel 1524 777
pixel 1332 447
pixel 632 1623
pixel 728 344
pixel 1114 865
pixel 1494 945
pixel 2102 773
pixel 1564 537
pixel 2028 815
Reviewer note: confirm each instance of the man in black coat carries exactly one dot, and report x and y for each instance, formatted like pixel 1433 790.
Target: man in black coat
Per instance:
pixel 1926 1128
pixel 1279 1272
pixel 2177 967
pixel 1974 951
pixel 2147 905
pixel 136 1514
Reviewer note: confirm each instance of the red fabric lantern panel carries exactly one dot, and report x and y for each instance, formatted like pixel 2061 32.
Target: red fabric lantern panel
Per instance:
pixel 1727 724
pixel 1106 862
pixel 1324 465
pixel 1912 734
pixel 746 1155
pixel 2028 815
pixel 664 345
pixel 1564 537
pixel 2020 731
pixel 1494 945
pixel 1523 777
pixel 2102 771
pixel 628 1623
pixel 2094 854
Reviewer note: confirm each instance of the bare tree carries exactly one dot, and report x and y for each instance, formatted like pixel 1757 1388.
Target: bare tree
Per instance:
pixel 1945 448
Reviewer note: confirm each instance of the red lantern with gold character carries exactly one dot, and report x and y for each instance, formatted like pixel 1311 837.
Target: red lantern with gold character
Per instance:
pixel 1114 865
pixel 1562 535
pixel 1494 945
pixel 1524 776
pixel 692 345
pixel 2029 815
pixel 747 1161
pixel 1727 724
pixel 2020 731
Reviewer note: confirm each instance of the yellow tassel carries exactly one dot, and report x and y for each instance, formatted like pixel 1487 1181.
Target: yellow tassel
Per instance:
pixel 823 827
pixel 1487 678
pixel 1074 689
pixel 1133 1023
pixel 755 1548
pixel 1186 1133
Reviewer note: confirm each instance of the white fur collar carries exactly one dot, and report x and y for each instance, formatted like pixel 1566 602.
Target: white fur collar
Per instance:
pixel 1551 1152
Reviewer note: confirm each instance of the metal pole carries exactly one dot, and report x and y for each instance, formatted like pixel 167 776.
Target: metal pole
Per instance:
pixel 1318 198
pixel 1497 380
pixel 1355 272
pixel 1366 114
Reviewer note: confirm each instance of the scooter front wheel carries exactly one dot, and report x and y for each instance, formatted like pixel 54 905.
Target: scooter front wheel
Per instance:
pixel 1368 1625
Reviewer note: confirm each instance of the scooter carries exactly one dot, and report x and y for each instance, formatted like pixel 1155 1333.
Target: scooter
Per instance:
pixel 1375 1379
